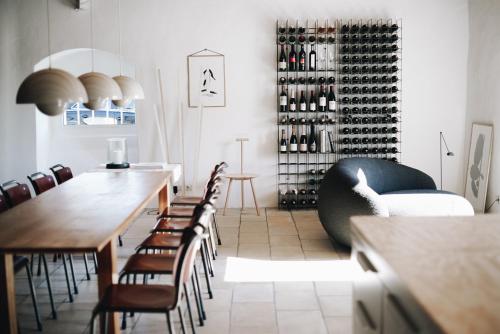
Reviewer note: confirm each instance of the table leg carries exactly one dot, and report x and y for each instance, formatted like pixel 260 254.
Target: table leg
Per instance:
pixel 254 197
pixel 107 275
pixel 163 198
pixel 8 319
pixel 227 195
pixel 242 195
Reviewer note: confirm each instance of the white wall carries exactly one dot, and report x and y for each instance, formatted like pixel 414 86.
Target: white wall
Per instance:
pixel 162 33
pixel 483 81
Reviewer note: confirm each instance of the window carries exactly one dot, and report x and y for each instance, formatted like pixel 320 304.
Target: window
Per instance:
pixel 78 114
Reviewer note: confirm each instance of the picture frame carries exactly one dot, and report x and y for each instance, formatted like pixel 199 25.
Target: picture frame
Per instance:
pixel 206 79
pixel 478 165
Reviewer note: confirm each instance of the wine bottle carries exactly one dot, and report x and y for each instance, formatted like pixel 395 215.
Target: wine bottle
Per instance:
pixel 356 131
pixel 312 59
pixel 283 100
pixel 282 60
pixel 356 90
pixel 291 80
pixel 312 171
pixel 302 120
pixel 283 143
pixel 312 140
pixel 321 80
pixel 282 39
pixel 346 141
pixel 293 141
pixel 292 120
pixel 302 102
pixel 282 80
pixel 356 140
pixel 283 202
pixel 302 80
pixel 331 100
pixel 312 102
pixel 311 80
pixel 292 59
pixel 293 103
pixel 284 120
pixel 331 80
pixel 312 191
pixel 302 59
pixel 322 99
pixel 302 191
pixel 345 150
pixel 303 141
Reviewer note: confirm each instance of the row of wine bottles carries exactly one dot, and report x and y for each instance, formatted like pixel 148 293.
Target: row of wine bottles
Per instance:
pixel 293 203
pixel 373 48
pixel 303 120
pixel 369 150
pixel 369 140
pixel 302 30
pixel 365 59
pixel 356 80
pixel 366 130
pixel 355 69
pixel 306 144
pixel 369 100
pixel 311 39
pixel 369 120
pixel 344 29
pixel 302 80
pixel 370 110
pixel 297 61
pixel 294 192
pixel 369 90
pixel 369 39
pixel 323 103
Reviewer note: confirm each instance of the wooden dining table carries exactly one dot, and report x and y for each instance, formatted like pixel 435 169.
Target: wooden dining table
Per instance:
pixel 85 214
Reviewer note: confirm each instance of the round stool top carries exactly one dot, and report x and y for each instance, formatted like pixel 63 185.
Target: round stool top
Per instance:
pixel 245 176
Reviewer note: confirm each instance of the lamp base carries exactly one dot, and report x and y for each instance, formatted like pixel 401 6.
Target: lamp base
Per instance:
pixel 118 166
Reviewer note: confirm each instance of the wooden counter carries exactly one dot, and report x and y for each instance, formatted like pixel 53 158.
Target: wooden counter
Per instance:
pixel 448 268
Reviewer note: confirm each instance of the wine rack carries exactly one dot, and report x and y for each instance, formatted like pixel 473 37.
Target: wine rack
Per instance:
pixel 361 61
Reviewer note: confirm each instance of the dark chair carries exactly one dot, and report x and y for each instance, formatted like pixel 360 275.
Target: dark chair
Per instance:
pixel 154 298
pixel 3 204
pixel 61 173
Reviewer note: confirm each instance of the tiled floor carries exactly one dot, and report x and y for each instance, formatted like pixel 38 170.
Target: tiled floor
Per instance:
pixel 276 273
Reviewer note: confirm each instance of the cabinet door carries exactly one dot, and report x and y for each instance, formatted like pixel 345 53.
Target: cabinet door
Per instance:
pixel 397 317
pixel 367 298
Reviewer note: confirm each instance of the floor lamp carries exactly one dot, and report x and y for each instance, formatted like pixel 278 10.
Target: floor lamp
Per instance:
pixel 448 153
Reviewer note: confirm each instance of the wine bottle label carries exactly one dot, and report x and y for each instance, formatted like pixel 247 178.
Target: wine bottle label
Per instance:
pixel 293 107
pixel 282 65
pixel 331 105
pixel 322 101
pixel 283 148
pixel 293 147
pixel 292 60
pixel 303 147
pixel 283 101
pixel 313 147
pixel 302 61
pixel 313 61
pixel 312 106
pixel 303 107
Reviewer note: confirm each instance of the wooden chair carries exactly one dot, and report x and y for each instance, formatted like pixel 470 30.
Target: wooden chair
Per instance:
pixel 21 262
pixel 154 298
pixel 61 173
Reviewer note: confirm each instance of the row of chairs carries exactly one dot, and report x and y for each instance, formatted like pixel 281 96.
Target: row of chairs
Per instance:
pixel 13 193
pixel 183 233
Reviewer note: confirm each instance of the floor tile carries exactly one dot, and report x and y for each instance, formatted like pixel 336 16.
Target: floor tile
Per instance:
pixel 339 325
pixel 257 315
pixel 299 322
pixel 296 300
pixel 248 292
pixel 336 306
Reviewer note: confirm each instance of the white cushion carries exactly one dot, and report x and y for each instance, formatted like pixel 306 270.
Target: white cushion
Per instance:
pixel 427 204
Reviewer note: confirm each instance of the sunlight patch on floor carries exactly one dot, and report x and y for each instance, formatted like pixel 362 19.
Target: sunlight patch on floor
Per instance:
pixel 252 270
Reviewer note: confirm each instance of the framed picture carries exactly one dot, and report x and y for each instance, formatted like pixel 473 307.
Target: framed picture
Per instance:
pixel 206 79
pixel 478 167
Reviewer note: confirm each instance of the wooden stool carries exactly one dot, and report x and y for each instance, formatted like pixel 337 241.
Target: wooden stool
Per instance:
pixel 242 177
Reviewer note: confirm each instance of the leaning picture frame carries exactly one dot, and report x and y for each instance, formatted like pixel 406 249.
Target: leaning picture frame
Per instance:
pixel 206 79
pixel 478 165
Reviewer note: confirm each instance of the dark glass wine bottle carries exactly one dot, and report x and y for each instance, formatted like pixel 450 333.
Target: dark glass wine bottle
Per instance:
pixel 282 60
pixel 283 143
pixel 312 102
pixel 302 80
pixel 292 59
pixel 356 140
pixel 303 141
pixel 283 100
pixel 312 59
pixel 312 140
pixel 302 102
pixel 302 59
pixel 331 80
pixel 293 141
pixel 293 103
pixel 322 99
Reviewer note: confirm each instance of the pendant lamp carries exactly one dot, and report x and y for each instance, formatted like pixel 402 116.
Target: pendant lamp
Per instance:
pixel 100 87
pixel 51 89
pixel 131 89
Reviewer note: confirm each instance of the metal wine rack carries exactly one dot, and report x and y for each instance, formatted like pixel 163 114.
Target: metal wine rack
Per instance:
pixel 361 59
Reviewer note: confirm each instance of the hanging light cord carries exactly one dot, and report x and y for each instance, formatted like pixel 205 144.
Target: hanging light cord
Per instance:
pixel 48 34
pixel 120 36
pixel 92 32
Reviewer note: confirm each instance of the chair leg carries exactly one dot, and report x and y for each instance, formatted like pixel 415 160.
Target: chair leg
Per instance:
pixel 188 305
pixel 120 241
pixel 254 198
pixel 86 266
pixel 32 260
pixel 207 275
pixel 75 287
pixel 67 280
pixel 39 270
pixel 49 287
pixel 197 295
pixel 33 297
pixel 209 260
pixel 124 315
pixel 106 325
pixel 181 318
pixel 169 324
pixel 94 258
pixel 227 196
pixel 92 323
pixel 216 227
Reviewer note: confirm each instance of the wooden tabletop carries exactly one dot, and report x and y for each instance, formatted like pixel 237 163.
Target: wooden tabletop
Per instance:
pixel 82 214
pixel 451 265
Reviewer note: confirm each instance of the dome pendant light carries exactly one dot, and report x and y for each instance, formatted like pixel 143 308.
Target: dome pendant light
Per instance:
pixel 100 87
pixel 130 88
pixel 51 89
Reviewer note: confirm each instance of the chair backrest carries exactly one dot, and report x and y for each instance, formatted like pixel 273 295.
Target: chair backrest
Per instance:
pixel 15 193
pixel 3 204
pixel 41 182
pixel 61 173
